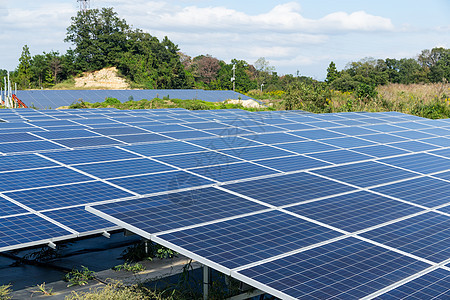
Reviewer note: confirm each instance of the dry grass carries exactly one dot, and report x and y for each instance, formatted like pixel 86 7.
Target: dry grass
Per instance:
pixel 426 93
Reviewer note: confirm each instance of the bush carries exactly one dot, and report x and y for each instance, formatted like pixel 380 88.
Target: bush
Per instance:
pixel 112 101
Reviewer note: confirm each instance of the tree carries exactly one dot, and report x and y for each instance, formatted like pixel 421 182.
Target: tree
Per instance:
pixel 205 68
pixel 24 73
pixel 99 36
pixel 332 73
pixel 263 71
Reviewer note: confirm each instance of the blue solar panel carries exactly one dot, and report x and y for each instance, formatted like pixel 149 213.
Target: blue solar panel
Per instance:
pixel 292 163
pixel 34 146
pixel 365 174
pixel 22 162
pixel 191 134
pixel 340 156
pixel 438 141
pixel 200 159
pixel 424 191
pixel 17 137
pixel 384 127
pixel 356 211
pixel 241 241
pixel 259 152
pixel 141 138
pixel 426 235
pixel 347 142
pixel 88 142
pixel 225 143
pixel 163 148
pixel 433 285
pixel 346 269
pixel 27 229
pixel 380 151
pixel 123 168
pixel 296 126
pixel 413 134
pixel 77 218
pixel 154 183
pixel 317 134
pixel 67 195
pixel 234 171
pixel 353 131
pixel 420 162
pixel 414 146
pixel 228 131
pixel 306 147
pixel 176 210
pixel 19 180
pixel 89 155
pixel 8 208
pixel 275 138
pixel 62 134
pixel 119 131
pixel 437 131
pixel 288 189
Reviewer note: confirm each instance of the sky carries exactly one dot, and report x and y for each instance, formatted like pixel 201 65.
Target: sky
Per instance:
pixel 301 36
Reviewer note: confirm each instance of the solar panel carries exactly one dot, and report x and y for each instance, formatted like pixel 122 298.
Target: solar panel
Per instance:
pixel 355 211
pixel 426 236
pixel 433 285
pixel 367 195
pixel 123 168
pixel 365 174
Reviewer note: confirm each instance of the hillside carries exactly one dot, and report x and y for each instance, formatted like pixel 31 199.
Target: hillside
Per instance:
pixel 106 78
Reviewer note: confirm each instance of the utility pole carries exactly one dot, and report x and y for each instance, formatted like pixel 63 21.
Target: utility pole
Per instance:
pixel 233 79
pixel 85 5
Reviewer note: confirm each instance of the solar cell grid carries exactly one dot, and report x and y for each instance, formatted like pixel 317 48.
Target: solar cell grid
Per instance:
pixel 292 163
pixel 355 269
pixel 355 211
pixel 22 162
pixel 32 146
pixel 233 171
pixel 27 230
pixel 433 285
pixel 89 155
pixel 178 210
pixel 426 235
pixel 420 162
pixel 67 195
pixel 37 178
pixel 241 241
pixel 426 191
pixel 199 159
pixel 340 156
pixel 154 183
pixel 365 174
pixel 288 189
pixel 122 168
pixel 77 218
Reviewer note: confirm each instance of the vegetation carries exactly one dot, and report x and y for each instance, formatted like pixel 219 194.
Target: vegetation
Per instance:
pixel 79 277
pixel 147 251
pixel 135 268
pixel 42 289
pixel 5 292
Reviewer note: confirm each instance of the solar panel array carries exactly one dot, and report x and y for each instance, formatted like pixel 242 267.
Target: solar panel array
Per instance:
pixel 347 205
pixel 45 99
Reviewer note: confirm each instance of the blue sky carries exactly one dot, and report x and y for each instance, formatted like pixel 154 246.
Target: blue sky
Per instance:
pixel 303 35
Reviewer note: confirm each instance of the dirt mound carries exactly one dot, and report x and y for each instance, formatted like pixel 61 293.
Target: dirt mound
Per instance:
pixel 106 78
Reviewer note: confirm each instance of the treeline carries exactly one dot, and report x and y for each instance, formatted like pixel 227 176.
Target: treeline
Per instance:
pixel 101 39
pixel 430 66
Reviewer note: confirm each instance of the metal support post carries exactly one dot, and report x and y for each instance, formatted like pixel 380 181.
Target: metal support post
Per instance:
pixel 206 281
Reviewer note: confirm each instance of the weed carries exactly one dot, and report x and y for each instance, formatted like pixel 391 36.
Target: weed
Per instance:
pixel 44 290
pixel 147 250
pixel 77 277
pixel 5 292
pixel 135 268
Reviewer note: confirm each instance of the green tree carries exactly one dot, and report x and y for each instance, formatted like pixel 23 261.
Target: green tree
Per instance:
pixel 24 73
pixel 243 83
pixel 332 73
pixel 99 37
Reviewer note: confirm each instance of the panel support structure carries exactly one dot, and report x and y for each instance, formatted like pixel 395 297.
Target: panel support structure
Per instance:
pixel 206 281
